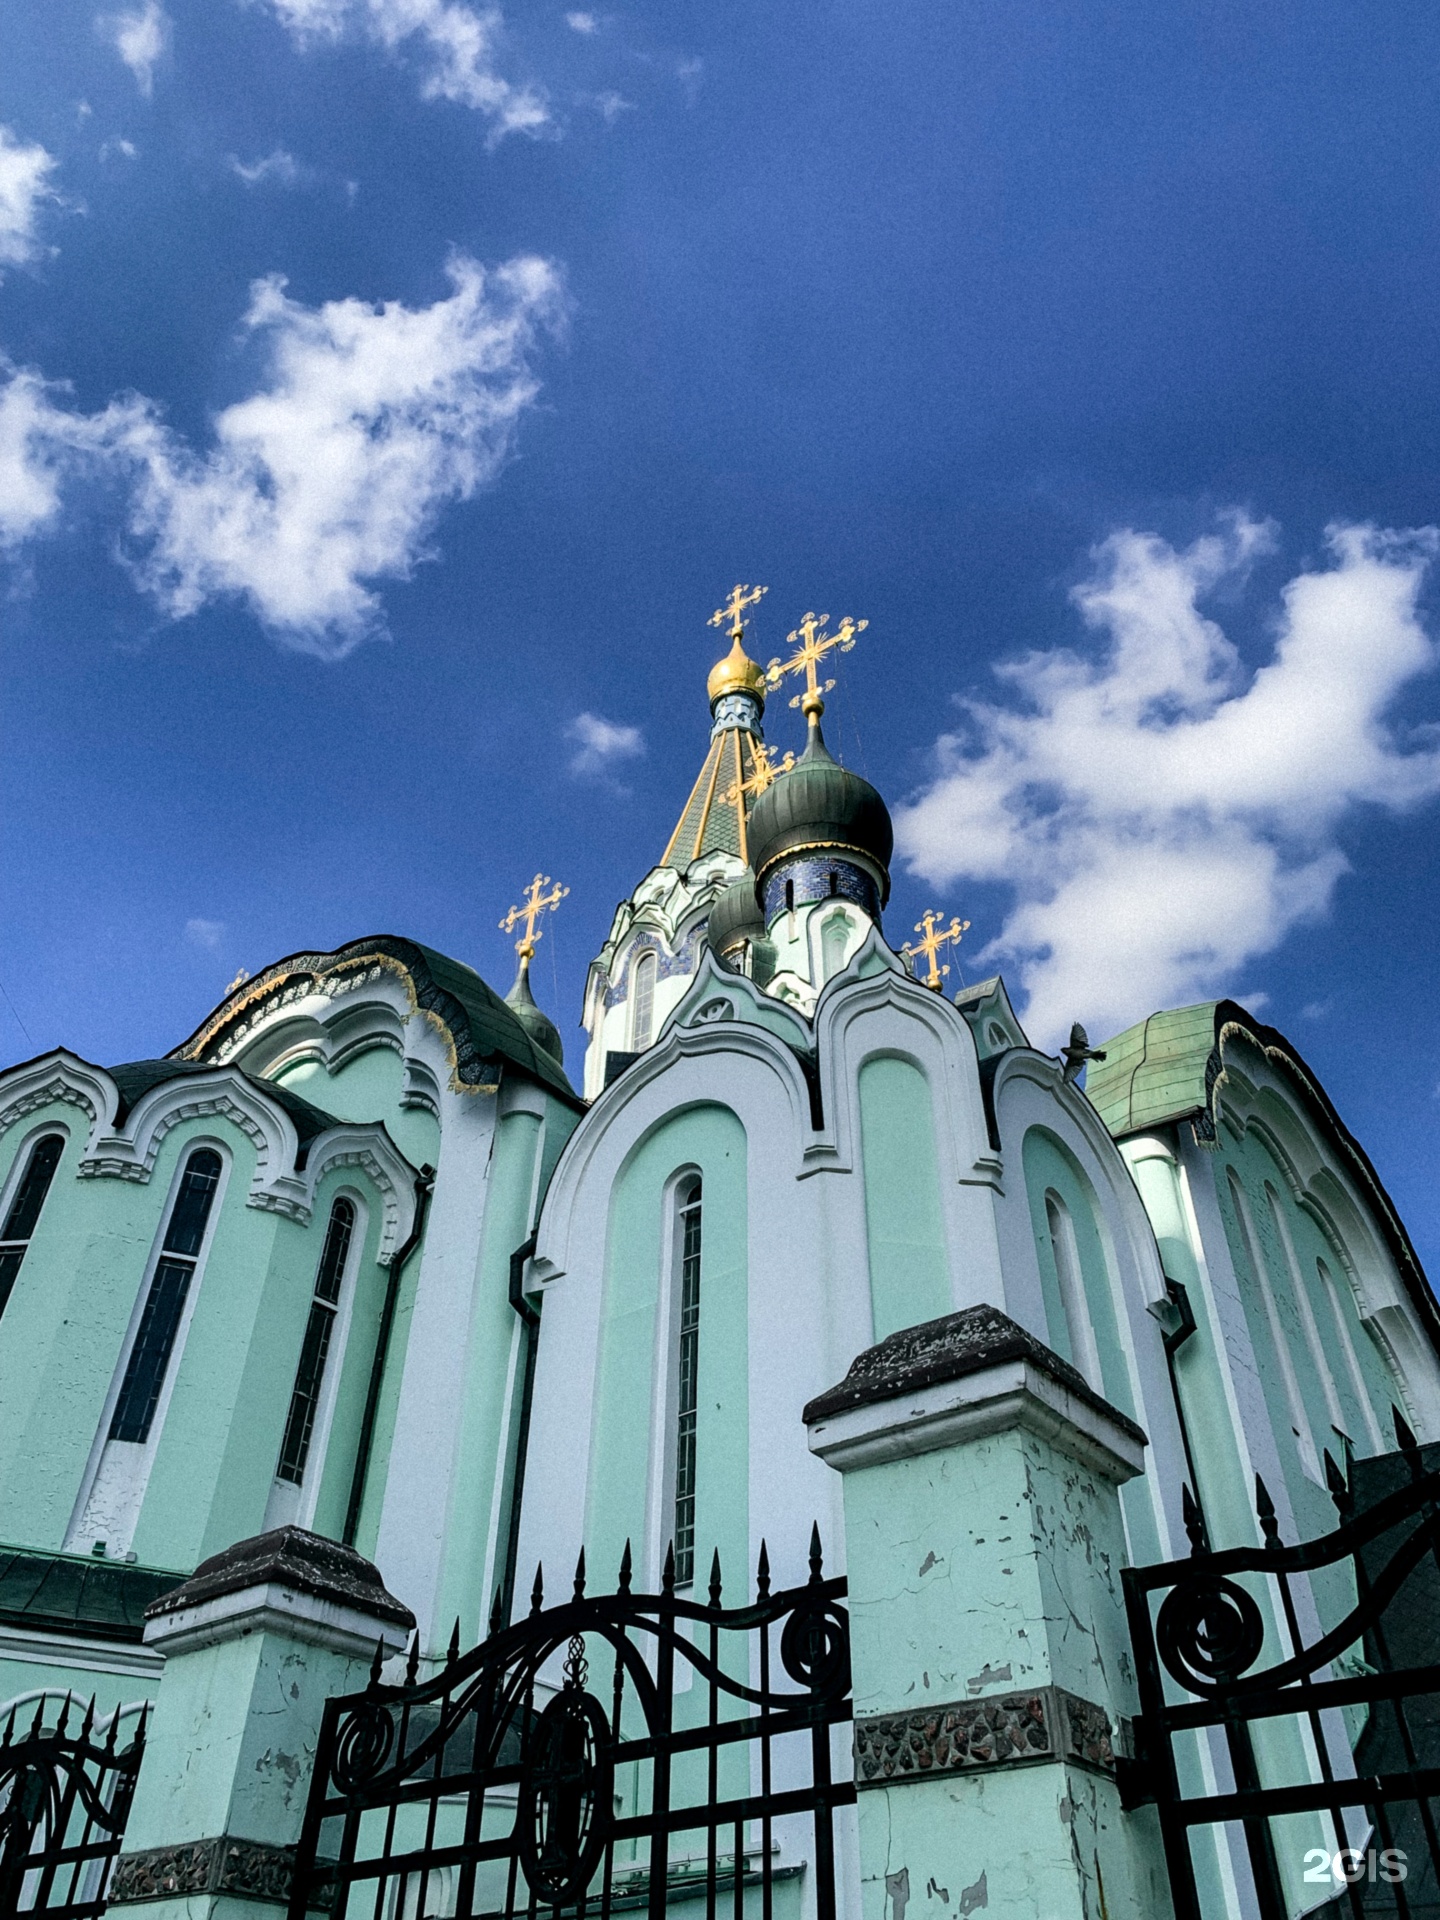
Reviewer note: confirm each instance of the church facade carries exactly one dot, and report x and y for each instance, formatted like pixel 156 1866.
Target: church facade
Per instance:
pixel 360 1257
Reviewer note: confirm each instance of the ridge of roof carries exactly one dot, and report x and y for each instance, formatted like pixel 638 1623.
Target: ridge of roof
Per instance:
pixel 479 1029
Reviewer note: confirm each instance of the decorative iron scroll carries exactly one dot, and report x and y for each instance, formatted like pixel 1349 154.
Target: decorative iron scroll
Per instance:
pixel 64 1798
pixel 614 1752
pixel 1339 1726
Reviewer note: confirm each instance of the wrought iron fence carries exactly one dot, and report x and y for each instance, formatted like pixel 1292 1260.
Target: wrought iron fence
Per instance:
pixel 1318 1749
pixel 64 1798
pixel 621 1751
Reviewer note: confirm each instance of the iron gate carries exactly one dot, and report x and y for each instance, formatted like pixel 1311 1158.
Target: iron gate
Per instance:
pixel 65 1794
pixel 1323 1756
pixel 674 1752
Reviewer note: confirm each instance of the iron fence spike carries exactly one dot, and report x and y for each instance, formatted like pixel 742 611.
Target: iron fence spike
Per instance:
pixel 667 1578
pixel 1194 1519
pixel 817 1558
pixel 63 1722
pixel 580 1576
pixel 497 1614
pixel 625 1569
pixel 1403 1435
pixel 537 1592
pixel 39 1717
pixel 762 1572
pixel 1265 1510
pixel 715 1580
pixel 453 1651
pixel 88 1722
pixel 378 1662
pixel 412 1664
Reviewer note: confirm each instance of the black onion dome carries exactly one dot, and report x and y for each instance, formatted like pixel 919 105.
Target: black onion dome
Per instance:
pixel 537 1023
pixel 735 916
pixel 821 807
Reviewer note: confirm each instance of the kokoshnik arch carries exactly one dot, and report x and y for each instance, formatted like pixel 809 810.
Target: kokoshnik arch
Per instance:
pixel 359 1258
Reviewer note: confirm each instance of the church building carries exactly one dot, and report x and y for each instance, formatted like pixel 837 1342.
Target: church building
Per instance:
pixel 365 1261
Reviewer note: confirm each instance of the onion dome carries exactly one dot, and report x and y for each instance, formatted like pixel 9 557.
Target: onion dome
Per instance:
pixel 538 1024
pixel 735 917
pixel 736 673
pixel 820 815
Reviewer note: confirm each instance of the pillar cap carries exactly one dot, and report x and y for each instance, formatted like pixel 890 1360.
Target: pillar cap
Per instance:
pixel 957 1379
pixel 289 1557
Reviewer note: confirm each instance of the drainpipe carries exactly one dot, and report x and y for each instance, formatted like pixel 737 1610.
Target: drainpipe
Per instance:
pixel 530 1319
pixel 424 1187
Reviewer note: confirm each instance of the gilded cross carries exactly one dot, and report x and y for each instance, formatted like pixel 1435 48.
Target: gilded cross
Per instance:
pixel 730 615
pixel 536 902
pixel 934 936
pixel 763 776
pixel 813 644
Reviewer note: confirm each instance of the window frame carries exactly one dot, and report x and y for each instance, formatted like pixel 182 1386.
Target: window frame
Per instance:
pixel 647 967
pixel 305 1492
pixel 10 1193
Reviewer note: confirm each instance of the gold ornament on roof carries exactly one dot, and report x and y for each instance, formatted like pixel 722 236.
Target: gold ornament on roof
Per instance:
pixel 927 948
pixel 813 644
pixel 536 902
pixel 241 977
pixel 763 776
pixel 737 672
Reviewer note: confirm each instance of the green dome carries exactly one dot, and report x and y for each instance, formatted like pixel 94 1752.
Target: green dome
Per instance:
pixel 823 808
pixel 736 916
pixel 540 1027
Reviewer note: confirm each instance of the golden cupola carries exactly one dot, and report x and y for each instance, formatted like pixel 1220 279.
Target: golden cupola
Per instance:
pixel 736 673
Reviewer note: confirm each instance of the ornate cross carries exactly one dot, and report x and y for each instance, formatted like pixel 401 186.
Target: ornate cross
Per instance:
pixel 763 776
pixel 730 614
pixel 812 644
pixel 927 948
pixel 535 903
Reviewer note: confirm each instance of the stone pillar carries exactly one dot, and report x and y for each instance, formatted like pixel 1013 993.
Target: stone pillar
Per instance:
pixel 983 1544
pixel 255 1642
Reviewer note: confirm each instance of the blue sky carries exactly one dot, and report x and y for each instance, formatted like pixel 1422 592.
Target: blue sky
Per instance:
pixel 391 391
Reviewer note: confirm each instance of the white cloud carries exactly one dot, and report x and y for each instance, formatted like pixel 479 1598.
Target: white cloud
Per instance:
pixel 1161 815
pixel 278 167
pixel 116 145
pixel 205 933
pixel 140 36
pixel 458 45
pixel 329 477
pixel 582 23
pixel 24 188
pixel 602 744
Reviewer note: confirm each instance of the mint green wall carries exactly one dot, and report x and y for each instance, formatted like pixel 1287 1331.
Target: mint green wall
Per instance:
pixel 368 1087
pixel 712 1140
pixel 909 1269
pixel 483 1450
pixel 62 1334
pixel 1050 1167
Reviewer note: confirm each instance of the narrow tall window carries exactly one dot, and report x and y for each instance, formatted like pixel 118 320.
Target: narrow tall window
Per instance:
pixel 160 1321
pixel 1289 1379
pixel 643 1019
pixel 25 1210
pixel 310 1375
pixel 687 1382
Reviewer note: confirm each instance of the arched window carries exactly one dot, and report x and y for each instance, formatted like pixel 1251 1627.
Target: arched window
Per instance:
pixel 1289 1379
pixel 310 1375
pixel 833 937
pixel 687 1375
pixel 642 1018
pixel 1352 1359
pixel 1321 1362
pixel 160 1321
pixel 25 1209
pixel 1068 1271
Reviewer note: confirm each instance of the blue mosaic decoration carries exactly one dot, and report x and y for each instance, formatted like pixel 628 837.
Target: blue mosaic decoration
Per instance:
pixel 812 881
pixel 667 965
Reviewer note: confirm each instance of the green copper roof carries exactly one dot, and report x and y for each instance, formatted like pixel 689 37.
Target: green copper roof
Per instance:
pixel 823 806
pixel 480 1030
pixel 62 1593
pixel 1172 1067
pixel 1154 1072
